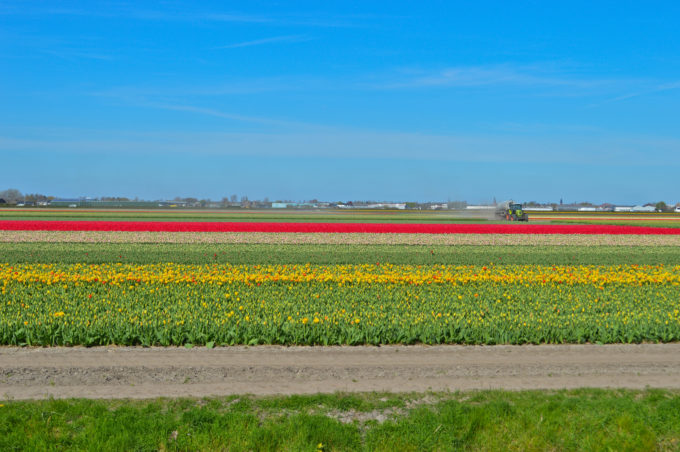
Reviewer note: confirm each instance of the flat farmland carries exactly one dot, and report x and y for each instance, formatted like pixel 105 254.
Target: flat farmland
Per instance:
pixel 580 285
pixel 337 331
pixel 266 215
pixel 660 219
pixel 331 216
pixel 133 278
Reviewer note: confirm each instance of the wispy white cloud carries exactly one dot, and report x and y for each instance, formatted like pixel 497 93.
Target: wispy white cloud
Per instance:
pixel 417 79
pixel 199 16
pixel 272 40
pixel 176 100
pixel 506 74
pixel 180 13
pixel 219 114
pixel 604 149
pixel 657 89
pixel 131 12
pixel 69 54
pixel 228 87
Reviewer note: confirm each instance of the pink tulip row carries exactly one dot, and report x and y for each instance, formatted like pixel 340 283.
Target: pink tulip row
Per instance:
pixel 337 238
pixel 382 228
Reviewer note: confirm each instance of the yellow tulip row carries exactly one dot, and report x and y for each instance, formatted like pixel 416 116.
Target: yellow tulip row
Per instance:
pixel 171 273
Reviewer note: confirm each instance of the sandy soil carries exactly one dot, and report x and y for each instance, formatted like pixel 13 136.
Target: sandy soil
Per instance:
pixel 132 372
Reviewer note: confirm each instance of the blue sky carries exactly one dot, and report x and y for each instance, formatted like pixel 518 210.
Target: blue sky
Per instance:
pixel 394 100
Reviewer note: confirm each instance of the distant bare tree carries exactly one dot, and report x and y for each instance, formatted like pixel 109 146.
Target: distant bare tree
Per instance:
pixel 11 195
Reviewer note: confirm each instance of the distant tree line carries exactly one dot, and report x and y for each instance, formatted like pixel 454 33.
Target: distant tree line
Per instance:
pixel 14 196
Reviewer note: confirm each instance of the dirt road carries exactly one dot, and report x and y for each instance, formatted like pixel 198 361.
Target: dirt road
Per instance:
pixel 131 372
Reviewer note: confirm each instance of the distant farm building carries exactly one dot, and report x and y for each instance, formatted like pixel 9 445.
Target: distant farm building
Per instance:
pixel 387 205
pixel 65 202
pixel 539 209
pixel 643 209
pixel 296 205
pixel 381 205
pixel 88 202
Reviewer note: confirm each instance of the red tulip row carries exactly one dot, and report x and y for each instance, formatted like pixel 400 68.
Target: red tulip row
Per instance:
pixel 182 226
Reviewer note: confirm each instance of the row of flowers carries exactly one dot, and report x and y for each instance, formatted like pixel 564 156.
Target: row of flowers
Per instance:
pixel 185 226
pixel 295 238
pixel 173 304
pixel 172 273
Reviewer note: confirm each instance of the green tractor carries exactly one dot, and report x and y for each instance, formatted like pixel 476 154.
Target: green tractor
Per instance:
pixel 511 211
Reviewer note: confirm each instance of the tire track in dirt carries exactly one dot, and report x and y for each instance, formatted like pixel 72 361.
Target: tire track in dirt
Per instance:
pixel 135 372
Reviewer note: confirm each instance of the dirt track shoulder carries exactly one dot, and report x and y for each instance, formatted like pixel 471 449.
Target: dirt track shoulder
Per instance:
pixel 135 372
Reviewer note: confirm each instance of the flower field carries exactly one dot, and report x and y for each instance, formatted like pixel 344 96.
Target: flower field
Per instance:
pixel 174 283
pixel 58 304
pixel 380 228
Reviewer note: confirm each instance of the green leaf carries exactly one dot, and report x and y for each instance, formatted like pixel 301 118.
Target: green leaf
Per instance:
pixel 210 344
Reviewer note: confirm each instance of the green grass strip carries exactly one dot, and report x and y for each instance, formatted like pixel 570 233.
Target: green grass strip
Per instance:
pixel 586 419
pixel 96 253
